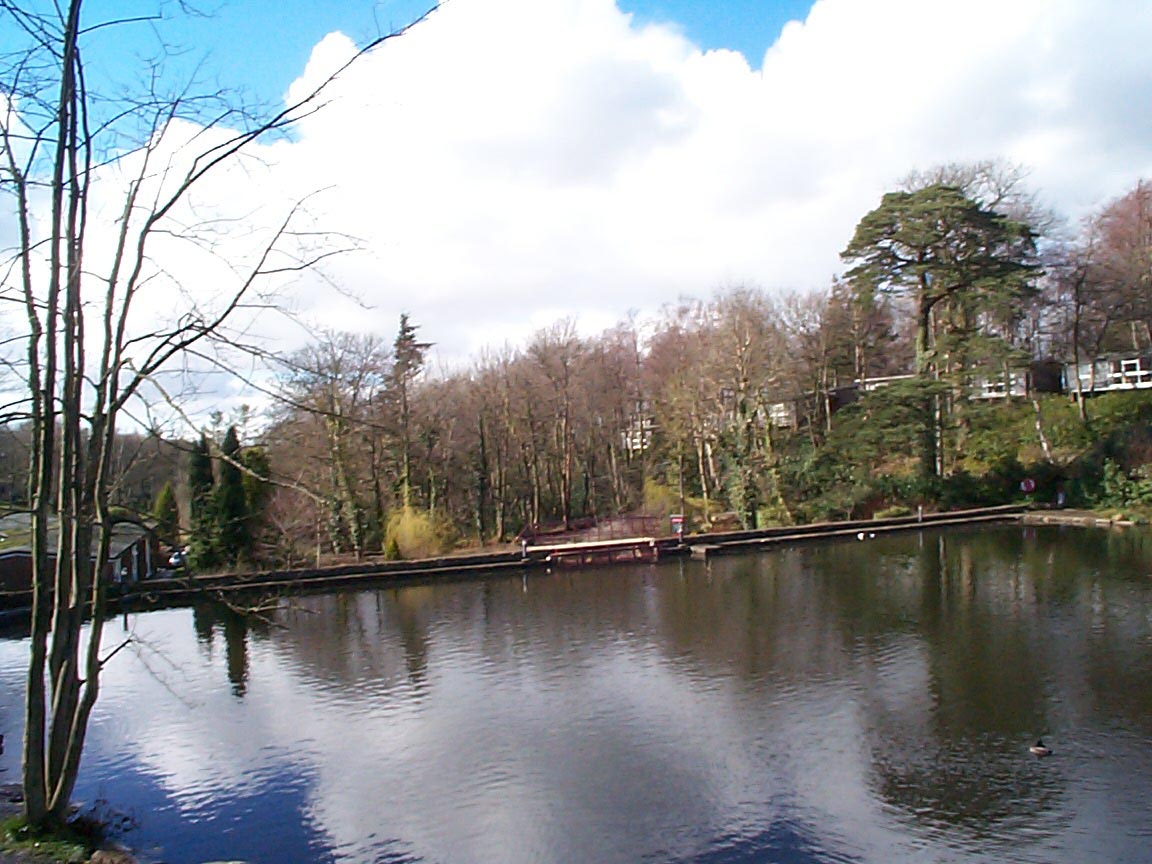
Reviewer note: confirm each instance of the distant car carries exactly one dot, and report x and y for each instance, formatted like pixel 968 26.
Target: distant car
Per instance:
pixel 177 559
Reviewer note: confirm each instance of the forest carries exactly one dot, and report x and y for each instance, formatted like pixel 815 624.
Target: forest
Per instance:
pixel 933 373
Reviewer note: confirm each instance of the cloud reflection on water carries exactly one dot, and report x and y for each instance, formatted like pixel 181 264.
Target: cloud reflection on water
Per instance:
pixel 820 704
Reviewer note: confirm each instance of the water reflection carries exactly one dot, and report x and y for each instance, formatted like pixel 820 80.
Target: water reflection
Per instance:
pixel 233 626
pixel 841 702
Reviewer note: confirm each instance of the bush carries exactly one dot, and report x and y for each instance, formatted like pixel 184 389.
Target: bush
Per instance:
pixel 660 499
pixel 413 533
pixel 663 500
pixel 893 512
pixel 1112 411
pixel 773 515
pixel 1121 489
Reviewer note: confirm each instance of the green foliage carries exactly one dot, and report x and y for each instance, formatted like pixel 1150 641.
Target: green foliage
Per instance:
pixel 200 479
pixel 996 432
pixel 867 466
pixel 663 500
pixel 257 491
pixel 203 541
pixel 880 433
pixel 824 487
pixel 957 261
pixel 66 844
pixel 744 493
pixel 660 499
pixel 407 353
pixel 935 243
pixel 1120 488
pixel 893 512
pixel 166 513
pixel 1114 411
pixel 230 502
pixel 257 470
pixel 774 515
pixel 1120 433
pixel 413 533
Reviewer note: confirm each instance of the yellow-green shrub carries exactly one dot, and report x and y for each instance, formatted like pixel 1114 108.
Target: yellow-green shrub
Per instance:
pixel 659 499
pixel 413 533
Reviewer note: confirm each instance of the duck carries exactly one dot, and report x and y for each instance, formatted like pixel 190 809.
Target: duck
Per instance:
pixel 1040 748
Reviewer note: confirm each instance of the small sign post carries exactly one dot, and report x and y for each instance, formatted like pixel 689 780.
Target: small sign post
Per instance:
pixel 677 520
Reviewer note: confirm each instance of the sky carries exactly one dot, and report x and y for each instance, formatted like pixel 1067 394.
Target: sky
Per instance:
pixel 233 39
pixel 509 163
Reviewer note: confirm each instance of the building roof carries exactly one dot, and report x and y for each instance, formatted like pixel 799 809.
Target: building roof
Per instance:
pixel 16 534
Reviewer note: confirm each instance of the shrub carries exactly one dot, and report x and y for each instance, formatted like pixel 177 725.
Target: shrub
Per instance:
pixel 413 533
pixel 660 499
pixel 893 512
pixel 1120 489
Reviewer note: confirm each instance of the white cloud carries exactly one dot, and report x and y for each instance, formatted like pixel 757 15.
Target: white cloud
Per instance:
pixel 508 162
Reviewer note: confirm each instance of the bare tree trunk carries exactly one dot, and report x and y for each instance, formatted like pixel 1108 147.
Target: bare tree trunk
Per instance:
pixel 702 467
pixel 350 509
pixel 566 463
pixel 500 493
pixel 1077 309
pixel 75 397
pixel 680 477
pixel 482 474
pixel 1040 431
pixel 617 480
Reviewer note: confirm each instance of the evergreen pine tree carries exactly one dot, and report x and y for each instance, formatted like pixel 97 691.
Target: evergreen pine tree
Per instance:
pixel 407 362
pixel 203 549
pixel 257 470
pixel 166 512
pixel 230 502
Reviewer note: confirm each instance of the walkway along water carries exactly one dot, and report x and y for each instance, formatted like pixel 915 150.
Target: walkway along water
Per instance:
pixel 183 590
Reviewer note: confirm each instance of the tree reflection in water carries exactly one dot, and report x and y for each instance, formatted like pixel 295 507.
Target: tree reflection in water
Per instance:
pixel 827 702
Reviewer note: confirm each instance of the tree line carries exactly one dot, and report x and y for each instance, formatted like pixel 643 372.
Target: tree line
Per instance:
pixel 727 404
pixel 741 406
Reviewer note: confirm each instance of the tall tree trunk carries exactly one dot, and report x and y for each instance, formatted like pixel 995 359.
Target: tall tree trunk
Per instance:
pixel 481 479
pixel 702 470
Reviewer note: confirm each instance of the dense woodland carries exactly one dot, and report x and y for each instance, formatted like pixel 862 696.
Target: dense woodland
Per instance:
pixel 741 404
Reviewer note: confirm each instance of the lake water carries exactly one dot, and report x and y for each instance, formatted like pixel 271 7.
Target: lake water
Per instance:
pixel 837 702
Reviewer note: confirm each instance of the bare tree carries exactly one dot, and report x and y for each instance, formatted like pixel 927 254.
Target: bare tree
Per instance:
pixel 995 184
pixel 557 354
pixel 331 399
pixel 89 350
pixel 1120 236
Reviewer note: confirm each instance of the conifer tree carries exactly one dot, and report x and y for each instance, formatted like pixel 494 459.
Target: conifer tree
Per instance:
pixel 407 361
pixel 954 259
pixel 202 547
pixel 257 470
pixel 229 502
pixel 166 512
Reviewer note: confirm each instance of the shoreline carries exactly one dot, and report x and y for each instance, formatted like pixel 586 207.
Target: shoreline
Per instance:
pixel 174 592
